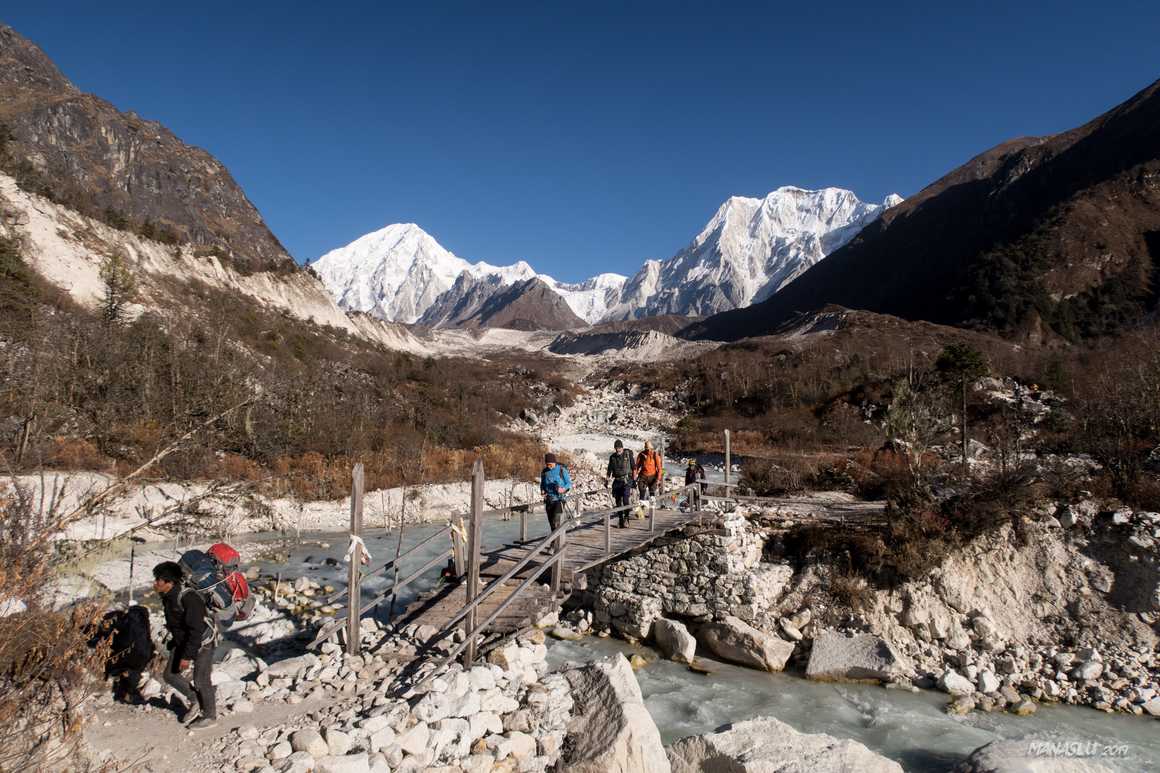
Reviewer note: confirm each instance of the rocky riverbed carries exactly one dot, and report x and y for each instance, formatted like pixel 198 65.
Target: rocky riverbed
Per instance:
pixel 1065 613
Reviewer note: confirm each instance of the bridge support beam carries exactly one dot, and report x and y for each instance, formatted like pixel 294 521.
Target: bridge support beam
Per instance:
pixel 474 538
pixel 354 579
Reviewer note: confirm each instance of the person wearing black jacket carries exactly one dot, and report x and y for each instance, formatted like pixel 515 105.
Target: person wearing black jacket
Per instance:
pixel 192 644
pixel 619 474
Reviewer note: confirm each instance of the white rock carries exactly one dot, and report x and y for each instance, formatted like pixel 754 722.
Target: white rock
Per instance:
pixel 956 684
pixel 298 762
pixel 522 746
pixel 767 745
pixel 1019 757
pixel 863 656
pixel 309 741
pixel 735 640
pixel 987 682
pixel 611 729
pixel 414 740
pixel 349 763
pixel 674 640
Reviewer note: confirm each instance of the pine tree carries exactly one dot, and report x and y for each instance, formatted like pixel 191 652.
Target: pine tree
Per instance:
pixel 120 288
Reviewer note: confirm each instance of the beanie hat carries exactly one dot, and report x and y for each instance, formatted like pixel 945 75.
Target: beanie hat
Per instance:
pixel 549 458
pixel 618 444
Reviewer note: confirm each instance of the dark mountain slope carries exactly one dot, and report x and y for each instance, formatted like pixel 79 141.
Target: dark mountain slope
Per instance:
pixel 1062 231
pixel 131 173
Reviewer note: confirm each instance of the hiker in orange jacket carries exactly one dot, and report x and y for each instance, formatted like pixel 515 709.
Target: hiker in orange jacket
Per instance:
pixel 649 469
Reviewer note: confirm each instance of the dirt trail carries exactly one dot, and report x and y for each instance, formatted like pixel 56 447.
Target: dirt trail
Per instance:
pixel 149 738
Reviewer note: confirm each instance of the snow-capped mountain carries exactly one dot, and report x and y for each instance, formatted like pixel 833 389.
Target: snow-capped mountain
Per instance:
pixel 749 250
pixel 398 272
pixel 591 299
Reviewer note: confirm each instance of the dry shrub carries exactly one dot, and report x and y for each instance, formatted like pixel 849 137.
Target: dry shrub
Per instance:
pixel 234 467
pixel 46 665
pixel 68 453
pixel 852 590
pixel 768 478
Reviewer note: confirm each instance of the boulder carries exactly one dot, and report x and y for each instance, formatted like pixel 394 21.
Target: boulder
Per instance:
pixel 347 763
pixel 611 730
pixel 767 745
pixel 987 682
pixel 837 657
pixel 955 683
pixel 1026 756
pixel 674 640
pixel 309 741
pixel 735 640
pixel 291 666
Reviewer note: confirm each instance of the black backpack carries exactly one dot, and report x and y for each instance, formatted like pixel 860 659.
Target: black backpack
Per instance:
pixel 205 576
pixel 622 464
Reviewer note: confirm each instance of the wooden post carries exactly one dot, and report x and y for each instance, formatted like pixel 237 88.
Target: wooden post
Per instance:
pixel 474 537
pixel 608 534
pixel 524 522
pixel 652 511
pixel 558 567
pixel 661 479
pixel 457 537
pixel 728 460
pixel 354 580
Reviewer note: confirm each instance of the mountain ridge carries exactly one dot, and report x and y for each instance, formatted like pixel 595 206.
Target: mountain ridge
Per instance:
pixel 750 248
pixel 1062 231
pixel 79 150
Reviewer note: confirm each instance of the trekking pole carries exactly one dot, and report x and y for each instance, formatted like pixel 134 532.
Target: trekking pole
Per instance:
pixel 133 542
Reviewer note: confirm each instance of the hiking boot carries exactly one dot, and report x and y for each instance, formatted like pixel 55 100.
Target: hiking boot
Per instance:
pixel 204 723
pixel 189 716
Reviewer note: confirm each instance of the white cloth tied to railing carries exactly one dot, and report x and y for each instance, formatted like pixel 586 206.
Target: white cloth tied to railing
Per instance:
pixel 356 543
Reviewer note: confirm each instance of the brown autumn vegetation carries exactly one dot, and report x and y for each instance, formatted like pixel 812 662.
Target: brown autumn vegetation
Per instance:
pixel 93 391
pixel 46 665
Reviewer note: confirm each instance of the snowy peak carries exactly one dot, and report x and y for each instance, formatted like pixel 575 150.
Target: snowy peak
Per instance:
pixel 748 250
pixel 398 272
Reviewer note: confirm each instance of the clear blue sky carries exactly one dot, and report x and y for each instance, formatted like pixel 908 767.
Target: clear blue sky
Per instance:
pixel 587 137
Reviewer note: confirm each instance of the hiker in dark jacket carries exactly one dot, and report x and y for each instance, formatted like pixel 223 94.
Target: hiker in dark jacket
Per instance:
pixel 695 473
pixel 620 476
pixel 192 645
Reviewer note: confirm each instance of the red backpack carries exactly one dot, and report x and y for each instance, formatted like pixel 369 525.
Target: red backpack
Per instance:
pixel 228 559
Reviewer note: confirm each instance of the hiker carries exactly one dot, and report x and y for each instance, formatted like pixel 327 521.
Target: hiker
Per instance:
pixel 649 469
pixel 619 475
pixel 130 650
pixel 555 483
pixel 192 644
pixel 694 473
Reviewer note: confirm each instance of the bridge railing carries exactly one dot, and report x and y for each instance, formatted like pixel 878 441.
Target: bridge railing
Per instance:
pixel 554 546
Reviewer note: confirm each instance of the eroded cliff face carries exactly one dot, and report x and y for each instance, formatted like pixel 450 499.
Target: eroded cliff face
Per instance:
pixel 1060 608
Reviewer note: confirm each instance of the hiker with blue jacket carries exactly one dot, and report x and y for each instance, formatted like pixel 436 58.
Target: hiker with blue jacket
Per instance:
pixel 192 645
pixel 555 483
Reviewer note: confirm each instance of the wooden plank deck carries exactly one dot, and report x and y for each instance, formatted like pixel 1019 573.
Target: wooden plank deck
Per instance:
pixel 585 549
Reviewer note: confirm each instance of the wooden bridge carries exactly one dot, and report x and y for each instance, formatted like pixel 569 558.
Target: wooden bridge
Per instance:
pixel 500 592
pixel 497 594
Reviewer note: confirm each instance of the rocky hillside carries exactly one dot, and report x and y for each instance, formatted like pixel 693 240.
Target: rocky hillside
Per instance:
pixel 526 305
pixel 1060 231
pixel 79 150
